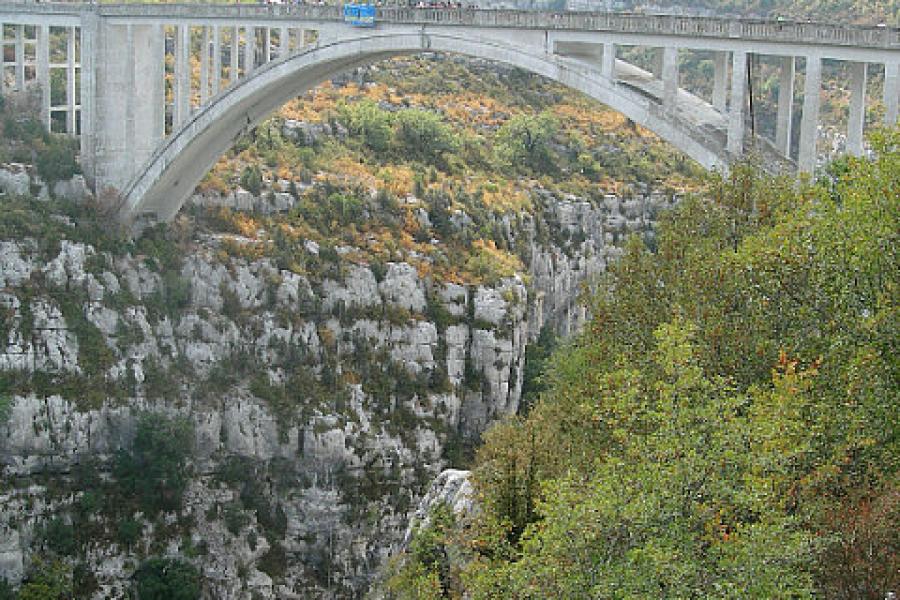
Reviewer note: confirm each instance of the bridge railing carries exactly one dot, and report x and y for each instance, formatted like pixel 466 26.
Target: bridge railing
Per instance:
pixel 677 25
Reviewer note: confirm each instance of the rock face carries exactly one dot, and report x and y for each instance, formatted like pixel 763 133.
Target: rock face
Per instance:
pixel 381 391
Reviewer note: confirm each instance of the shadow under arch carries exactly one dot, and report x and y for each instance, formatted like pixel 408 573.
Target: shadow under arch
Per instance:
pixel 169 177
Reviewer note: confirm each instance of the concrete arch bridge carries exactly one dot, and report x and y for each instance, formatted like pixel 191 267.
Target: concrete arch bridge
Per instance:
pixel 153 141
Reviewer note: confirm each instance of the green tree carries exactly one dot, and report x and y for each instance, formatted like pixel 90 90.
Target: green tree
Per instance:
pixel 368 121
pixel 251 179
pixel 155 471
pixel 47 581
pixel 423 135
pixel 664 455
pixel 167 579
pixel 525 142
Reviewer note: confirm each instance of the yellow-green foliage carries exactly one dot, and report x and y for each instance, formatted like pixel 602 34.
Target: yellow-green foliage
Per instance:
pixel 727 424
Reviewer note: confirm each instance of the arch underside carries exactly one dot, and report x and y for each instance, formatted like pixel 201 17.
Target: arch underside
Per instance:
pixel 169 178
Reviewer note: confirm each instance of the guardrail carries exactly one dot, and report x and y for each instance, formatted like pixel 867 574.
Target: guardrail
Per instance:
pixel 747 29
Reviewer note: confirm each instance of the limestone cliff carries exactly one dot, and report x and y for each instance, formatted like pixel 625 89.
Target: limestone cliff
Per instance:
pixel 322 407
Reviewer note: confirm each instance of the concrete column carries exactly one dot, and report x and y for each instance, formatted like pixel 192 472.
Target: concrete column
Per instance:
pixel 657 65
pixel 71 127
pixel 89 32
pixel 608 61
pixel 301 38
pixel 891 93
pixel 736 110
pixel 267 45
pixel 182 74
pixel 20 57
pixel 235 50
pixel 810 119
pixel 2 59
pixel 149 90
pixel 42 71
pixel 857 120
pixel 130 90
pixel 785 117
pixel 249 50
pixel 204 66
pixel 670 77
pixel 130 100
pixel 284 41
pixel 720 81
pixel 217 61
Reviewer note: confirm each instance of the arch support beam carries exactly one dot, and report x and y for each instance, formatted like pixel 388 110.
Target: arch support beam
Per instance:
pixel 168 179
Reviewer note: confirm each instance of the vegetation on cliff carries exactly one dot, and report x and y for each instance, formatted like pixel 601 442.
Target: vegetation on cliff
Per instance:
pixel 727 424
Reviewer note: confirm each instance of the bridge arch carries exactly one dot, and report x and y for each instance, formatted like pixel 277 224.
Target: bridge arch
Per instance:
pixel 169 177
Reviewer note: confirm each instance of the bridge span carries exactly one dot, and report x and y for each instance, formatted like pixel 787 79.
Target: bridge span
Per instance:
pixel 150 130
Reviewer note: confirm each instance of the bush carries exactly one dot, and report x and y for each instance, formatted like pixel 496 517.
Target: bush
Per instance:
pixel 167 579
